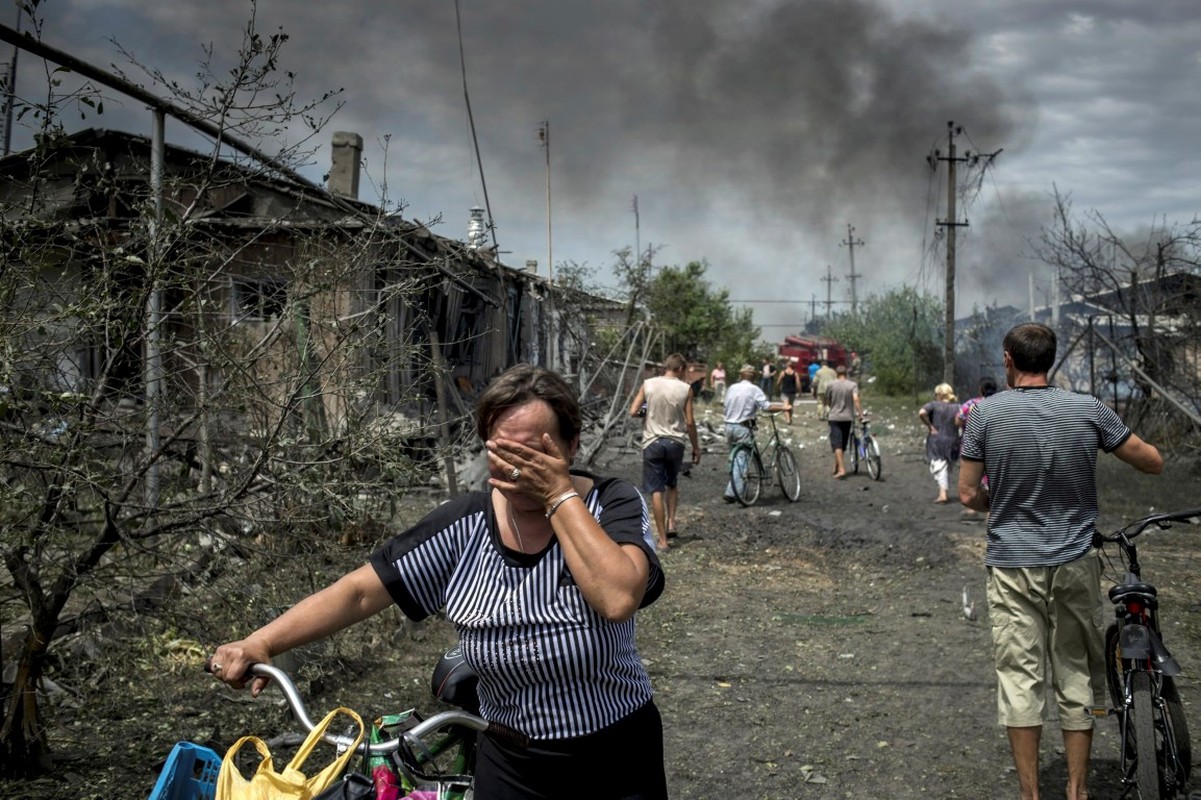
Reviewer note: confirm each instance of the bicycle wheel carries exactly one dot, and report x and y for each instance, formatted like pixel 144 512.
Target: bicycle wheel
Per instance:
pixel 1142 723
pixel 853 452
pixel 788 474
pixel 1114 671
pixel 1179 725
pixel 746 474
pixel 873 458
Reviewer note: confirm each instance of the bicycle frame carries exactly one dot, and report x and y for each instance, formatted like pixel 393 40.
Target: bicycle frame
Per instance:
pixel 864 448
pixel 768 451
pixel 763 463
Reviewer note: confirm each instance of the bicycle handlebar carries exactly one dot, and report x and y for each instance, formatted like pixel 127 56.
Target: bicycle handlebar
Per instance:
pixel 426 726
pixel 1133 529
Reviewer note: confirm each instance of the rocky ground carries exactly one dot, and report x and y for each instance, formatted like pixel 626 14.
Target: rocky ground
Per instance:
pixel 816 649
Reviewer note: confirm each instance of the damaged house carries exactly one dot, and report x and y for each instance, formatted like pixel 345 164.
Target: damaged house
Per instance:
pixel 252 279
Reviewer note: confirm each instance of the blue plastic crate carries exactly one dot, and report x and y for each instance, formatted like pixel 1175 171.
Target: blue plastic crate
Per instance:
pixel 189 774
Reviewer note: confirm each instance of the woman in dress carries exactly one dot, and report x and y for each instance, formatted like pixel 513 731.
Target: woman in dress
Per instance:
pixel 541 574
pixel 942 438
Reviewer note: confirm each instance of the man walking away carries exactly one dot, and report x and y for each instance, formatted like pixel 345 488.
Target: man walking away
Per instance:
pixel 768 379
pixel 744 401
pixel 1037 445
pixel 822 379
pixel 669 421
pixel 841 398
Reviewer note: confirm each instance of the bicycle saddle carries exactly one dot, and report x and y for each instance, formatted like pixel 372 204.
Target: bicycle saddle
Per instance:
pixel 455 681
pixel 1128 587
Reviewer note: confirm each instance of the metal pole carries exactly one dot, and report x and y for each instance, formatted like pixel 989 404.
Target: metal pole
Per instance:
pixel 154 311
pixel 551 327
pixel 637 236
pixel 550 259
pixel 10 93
pixel 1092 358
pixel 948 363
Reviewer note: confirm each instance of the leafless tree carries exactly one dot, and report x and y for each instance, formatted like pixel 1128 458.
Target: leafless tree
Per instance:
pixel 265 345
pixel 1137 301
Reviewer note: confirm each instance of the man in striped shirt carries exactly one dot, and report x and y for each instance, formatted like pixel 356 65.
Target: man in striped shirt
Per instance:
pixel 1037 445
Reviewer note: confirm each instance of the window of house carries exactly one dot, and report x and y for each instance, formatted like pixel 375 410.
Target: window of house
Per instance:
pixel 259 298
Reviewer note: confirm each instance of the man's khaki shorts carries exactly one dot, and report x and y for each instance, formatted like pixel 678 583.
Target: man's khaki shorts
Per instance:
pixel 1044 615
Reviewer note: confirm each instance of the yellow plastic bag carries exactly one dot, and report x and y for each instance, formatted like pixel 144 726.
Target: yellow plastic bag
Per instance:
pixel 291 784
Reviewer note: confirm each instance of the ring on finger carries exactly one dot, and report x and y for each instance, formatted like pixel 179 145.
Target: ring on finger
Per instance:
pixel 515 474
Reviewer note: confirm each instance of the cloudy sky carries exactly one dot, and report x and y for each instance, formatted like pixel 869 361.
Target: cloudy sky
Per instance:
pixel 752 132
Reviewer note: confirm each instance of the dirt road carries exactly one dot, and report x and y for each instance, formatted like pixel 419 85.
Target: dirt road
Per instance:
pixel 808 650
pixel 820 649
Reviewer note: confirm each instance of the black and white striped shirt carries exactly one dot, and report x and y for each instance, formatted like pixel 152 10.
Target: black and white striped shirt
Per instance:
pixel 1039 447
pixel 549 665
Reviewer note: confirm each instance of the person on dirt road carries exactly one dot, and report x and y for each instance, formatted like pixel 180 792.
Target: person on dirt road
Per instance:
pixel 717 382
pixel 541 575
pixel 822 379
pixel 942 439
pixel 841 397
pixel 788 383
pixel 744 401
pixel 1038 445
pixel 768 377
pixel 986 388
pixel 667 423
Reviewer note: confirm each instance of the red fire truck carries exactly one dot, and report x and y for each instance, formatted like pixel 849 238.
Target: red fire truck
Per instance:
pixel 807 349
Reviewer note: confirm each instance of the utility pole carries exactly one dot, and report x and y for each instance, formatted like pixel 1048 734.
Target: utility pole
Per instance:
pixel 544 137
pixel 950 223
pixel 637 236
pixel 829 280
pixel 850 243
pixel 552 337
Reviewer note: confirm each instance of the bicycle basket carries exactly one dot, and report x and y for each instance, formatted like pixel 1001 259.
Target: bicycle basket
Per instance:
pixel 190 773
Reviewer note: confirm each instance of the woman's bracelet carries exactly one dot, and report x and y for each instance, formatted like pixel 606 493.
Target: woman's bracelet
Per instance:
pixel 560 500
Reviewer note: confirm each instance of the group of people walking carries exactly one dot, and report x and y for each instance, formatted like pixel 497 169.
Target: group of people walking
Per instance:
pixel 543 571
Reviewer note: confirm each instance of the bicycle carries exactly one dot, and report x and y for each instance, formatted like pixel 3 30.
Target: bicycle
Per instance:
pixel 864 447
pixel 436 753
pixel 751 465
pixel 1156 754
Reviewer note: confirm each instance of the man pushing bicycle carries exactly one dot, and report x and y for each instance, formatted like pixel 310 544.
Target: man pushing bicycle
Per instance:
pixel 744 400
pixel 1037 445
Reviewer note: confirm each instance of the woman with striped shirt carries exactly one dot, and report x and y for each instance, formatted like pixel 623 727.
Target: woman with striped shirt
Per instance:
pixel 541 575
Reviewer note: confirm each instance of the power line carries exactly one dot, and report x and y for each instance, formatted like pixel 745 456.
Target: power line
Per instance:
pixel 794 302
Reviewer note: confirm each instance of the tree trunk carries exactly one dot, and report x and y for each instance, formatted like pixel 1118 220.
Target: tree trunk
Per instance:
pixel 23 749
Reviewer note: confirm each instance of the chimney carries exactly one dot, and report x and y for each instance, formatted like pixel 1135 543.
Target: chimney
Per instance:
pixel 347 151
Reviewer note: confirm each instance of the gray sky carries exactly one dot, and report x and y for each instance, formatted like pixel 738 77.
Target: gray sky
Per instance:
pixel 752 132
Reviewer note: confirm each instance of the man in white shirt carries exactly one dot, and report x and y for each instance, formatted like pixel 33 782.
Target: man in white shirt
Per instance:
pixel 744 401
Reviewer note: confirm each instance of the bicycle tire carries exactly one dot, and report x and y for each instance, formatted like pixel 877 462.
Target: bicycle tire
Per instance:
pixel 1184 749
pixel 1114 670
pixel 1146 755
pixel 1114 680
pixel 854 451
pixel 874 464
pixel 746 474
pixel 788 474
